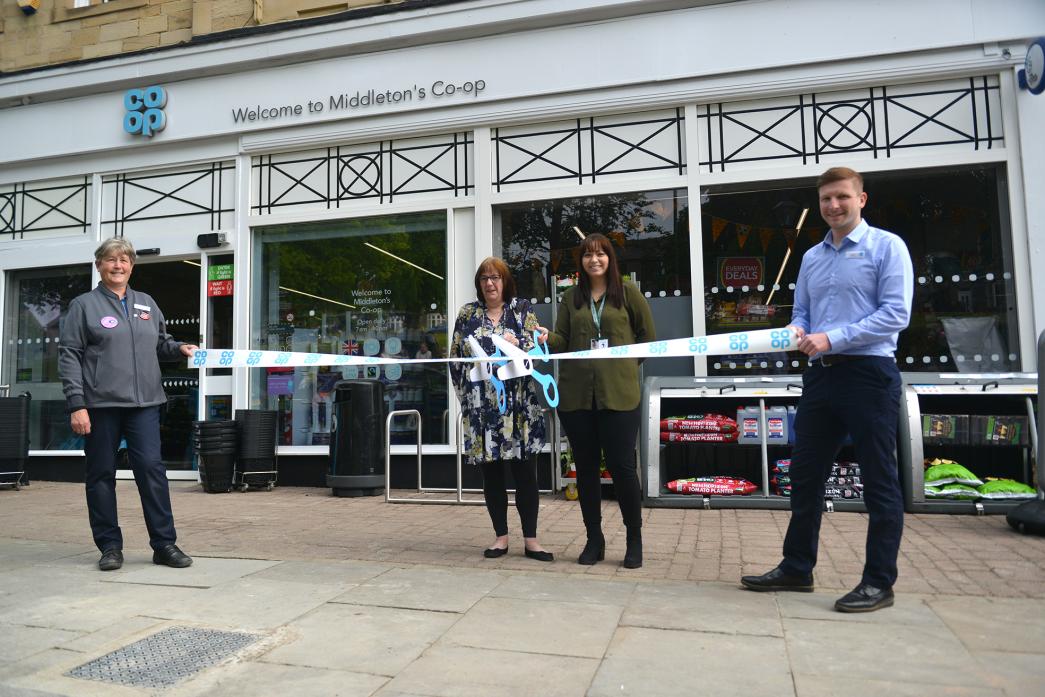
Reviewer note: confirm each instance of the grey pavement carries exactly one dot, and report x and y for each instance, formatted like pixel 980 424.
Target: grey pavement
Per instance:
pixel 358 597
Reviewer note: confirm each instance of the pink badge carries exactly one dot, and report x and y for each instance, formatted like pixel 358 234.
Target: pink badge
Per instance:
pixel 144 315
pixel 109 322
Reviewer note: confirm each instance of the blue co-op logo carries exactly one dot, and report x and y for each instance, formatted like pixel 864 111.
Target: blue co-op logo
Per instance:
pixel 145 111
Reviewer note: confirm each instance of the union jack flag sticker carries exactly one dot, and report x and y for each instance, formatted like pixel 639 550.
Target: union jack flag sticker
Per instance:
pixel 351 348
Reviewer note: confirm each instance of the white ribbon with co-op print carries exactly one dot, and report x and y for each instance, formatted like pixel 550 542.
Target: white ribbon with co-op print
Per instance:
pixel 508 361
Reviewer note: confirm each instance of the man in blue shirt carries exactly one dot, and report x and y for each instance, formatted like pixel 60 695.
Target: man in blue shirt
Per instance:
pixel 852 299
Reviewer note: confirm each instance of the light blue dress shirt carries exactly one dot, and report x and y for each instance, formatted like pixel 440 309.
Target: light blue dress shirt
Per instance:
pixel 859 293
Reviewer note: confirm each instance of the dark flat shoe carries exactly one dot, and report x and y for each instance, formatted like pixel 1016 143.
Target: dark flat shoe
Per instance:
pixel 778 580
pixel 112 559
pixel 865 598
pixel 171 556
pixel 494 552
pixel 542 555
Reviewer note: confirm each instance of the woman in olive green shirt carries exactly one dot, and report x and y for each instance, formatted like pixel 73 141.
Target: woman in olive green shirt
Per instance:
pixel 599 399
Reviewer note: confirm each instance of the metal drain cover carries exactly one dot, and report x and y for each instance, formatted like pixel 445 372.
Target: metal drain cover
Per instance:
pixel 164 658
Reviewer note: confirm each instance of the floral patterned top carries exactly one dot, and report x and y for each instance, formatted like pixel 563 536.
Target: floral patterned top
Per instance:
pixel 488 434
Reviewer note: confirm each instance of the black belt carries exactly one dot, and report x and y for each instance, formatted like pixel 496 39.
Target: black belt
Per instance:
pixel 831 359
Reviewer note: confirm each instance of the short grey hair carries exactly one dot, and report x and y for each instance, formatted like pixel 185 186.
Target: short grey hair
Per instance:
pixel 115 245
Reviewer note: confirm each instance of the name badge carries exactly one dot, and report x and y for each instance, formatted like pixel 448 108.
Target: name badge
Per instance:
pixel 146 308
pixel 854 255
pixel 599 344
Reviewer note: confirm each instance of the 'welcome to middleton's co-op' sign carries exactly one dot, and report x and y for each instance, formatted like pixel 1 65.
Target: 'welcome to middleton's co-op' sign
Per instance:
pixel 440 89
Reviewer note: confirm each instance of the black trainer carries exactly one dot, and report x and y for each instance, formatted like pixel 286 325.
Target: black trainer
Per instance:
pixel 112 559
pixel 865 598
pixel 171 556
pixel 778 580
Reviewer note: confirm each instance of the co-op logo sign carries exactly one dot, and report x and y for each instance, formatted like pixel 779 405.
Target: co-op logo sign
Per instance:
pixel 145 111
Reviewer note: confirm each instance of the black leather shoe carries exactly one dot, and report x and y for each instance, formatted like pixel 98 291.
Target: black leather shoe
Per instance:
pixel 594 550
pixel 112 559
pixel 539 555
pixel 865 598
pixel 171 556
pixel 778 580
pixel 494 552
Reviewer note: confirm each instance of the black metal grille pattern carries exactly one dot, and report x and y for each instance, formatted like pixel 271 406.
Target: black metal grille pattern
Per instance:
pixel 383 171
pixel 42 207
pixel 161 660
pixel 878 122
pixel 588 149
pixel 201 192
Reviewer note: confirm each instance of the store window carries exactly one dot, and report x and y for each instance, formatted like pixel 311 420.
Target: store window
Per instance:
pixel 37 301
pixel 650 233
pixel 955 224
pixel 369 286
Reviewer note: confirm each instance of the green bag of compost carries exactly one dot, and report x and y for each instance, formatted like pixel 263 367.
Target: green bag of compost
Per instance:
pixel 958 492
pixel 1002 489
pixel 950 473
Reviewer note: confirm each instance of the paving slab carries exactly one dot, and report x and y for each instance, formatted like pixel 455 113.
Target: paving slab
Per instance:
pixel 565 588
pixel 820 686
pixel 550 627
pixel 248 603
pixel 17 553
pixel 205 572
pixel 254 679
pixel 976 620
pixel 456 671
pixel 670 663
pixel 360 638
pixel 333 573
pixel 706 607
pixel 1018 674
pixel 18 641
pixel 424 588
pixel 869 651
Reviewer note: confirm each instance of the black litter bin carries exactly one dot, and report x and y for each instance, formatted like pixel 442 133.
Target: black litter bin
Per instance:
pixel 256 459
pixel 357 455
pixel 14 440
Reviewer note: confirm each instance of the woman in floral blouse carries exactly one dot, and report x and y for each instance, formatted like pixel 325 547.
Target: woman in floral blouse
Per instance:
pixel 492 439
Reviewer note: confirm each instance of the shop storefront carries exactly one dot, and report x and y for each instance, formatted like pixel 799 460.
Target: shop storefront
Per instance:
pixel 338 202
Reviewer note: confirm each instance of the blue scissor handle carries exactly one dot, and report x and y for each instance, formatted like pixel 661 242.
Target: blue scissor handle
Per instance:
pixel 551 390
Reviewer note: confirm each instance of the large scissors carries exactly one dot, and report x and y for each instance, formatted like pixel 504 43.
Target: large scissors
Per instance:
pixel 521 365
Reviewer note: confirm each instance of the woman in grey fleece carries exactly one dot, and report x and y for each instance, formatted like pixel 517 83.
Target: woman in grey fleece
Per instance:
pixel 111 343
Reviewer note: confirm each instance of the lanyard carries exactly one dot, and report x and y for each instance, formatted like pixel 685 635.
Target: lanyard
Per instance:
pixel 596 314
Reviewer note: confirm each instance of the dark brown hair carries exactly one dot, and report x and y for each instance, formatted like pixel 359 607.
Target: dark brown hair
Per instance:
pixel 614 286
pixel 837 174
pixel 495 265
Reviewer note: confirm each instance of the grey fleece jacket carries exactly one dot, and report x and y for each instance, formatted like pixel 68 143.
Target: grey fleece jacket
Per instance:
pixel 109 357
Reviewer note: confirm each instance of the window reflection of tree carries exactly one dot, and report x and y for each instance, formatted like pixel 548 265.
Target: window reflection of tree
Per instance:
pixel 538 239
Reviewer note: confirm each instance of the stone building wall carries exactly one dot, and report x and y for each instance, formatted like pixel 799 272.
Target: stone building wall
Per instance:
pixel 60 33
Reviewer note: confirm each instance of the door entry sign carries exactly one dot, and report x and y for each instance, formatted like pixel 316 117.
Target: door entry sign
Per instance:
pixel 219 280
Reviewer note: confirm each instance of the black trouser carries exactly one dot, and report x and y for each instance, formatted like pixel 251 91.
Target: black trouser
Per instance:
pixel 524 472
pixel 140 426
pixel 592 432
pixel 861 398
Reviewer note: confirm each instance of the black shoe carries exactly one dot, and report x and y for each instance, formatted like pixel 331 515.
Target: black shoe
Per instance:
pixel 171 556
pixel 112 559
pixel 594 550
pixel 539 555
pixel 778 580
pixel 865 598
pixel 494 552
pixel 633 555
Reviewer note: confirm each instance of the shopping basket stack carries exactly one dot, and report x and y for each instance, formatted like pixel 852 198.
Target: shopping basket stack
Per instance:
pixel 216 443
